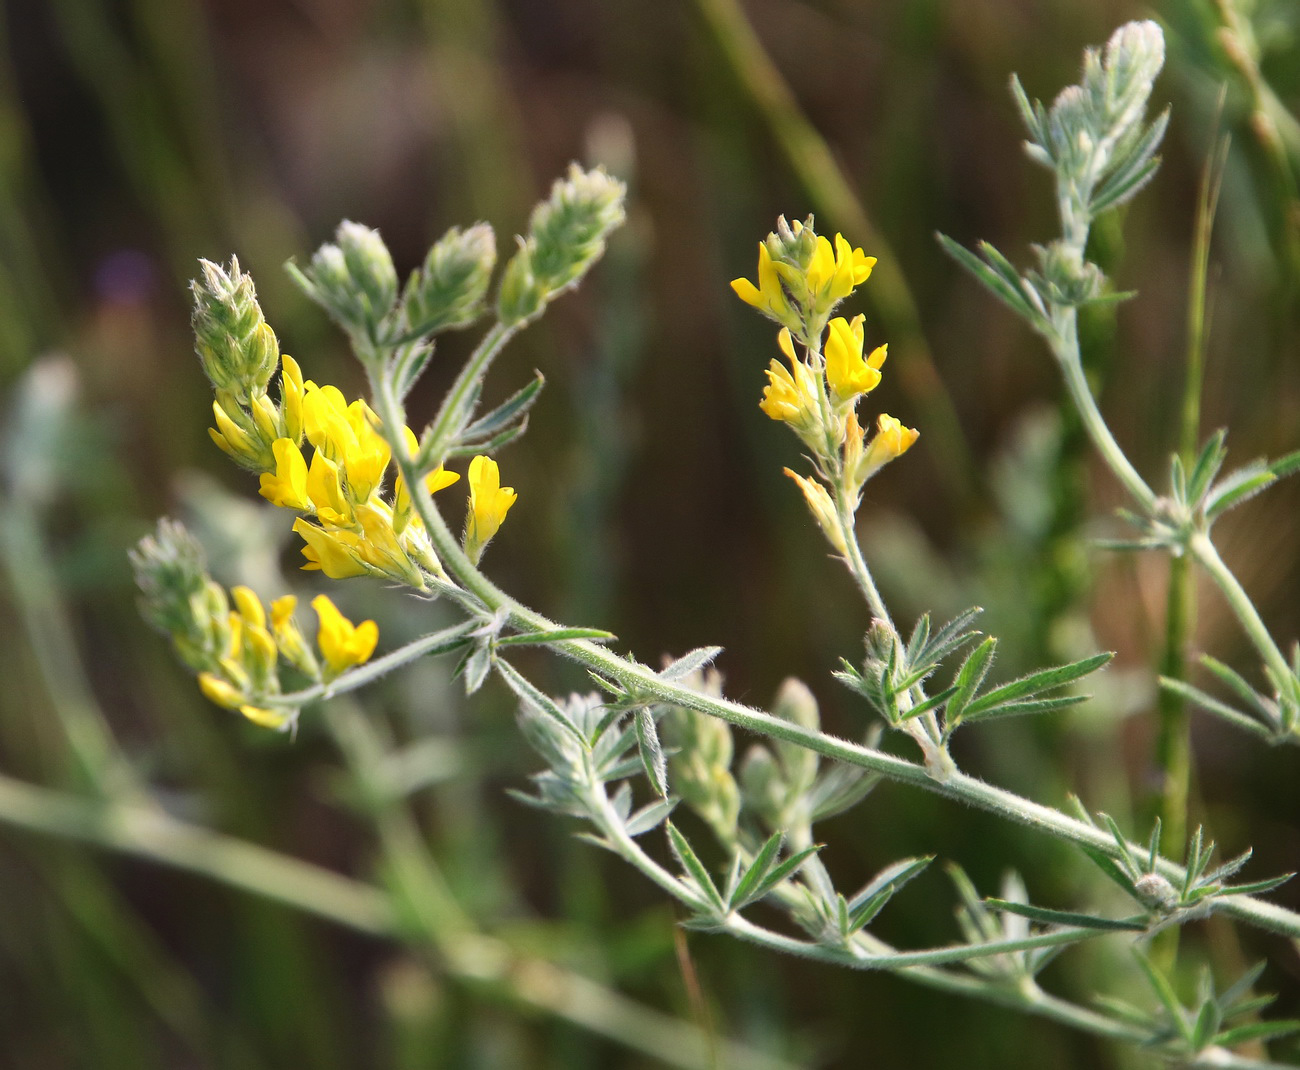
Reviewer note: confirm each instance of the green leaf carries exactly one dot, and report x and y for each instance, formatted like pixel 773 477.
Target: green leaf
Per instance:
pixel 652 754
pixel 556 636
pixel 692 865
pixel 1029 706
pixel 1206 1025
pixel 467 448
pixel 1109 867
pixel 920 636
pixel 1236 488
pixel 786 869
pixel 968 680
pixel 952 636
pixel 690 662
pixel 872 899
pixel 1257 1031
pixel 650 816
pixel 937 699
pixel 1037 682
pixel 1285 466
pixel 1257 887
pixel 1210 704
pixel 758 869
pixel 528 691
pixel 1207 465
pixel 1165 993
pixel 1010 295
pixel 1133 171
pixel 507 413
pixel 1067 917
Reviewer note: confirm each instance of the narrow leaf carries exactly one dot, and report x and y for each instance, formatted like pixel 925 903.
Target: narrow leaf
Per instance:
pixel 1208 463
pixel 758 869
pixel 690 662
pixel 507 412
pixel 692 865
pixel 528 691
pixel 1165 993
pixel 1109 867
pixel 1257 887
pixel 1285 466
pixel 937 699
pixel 556 636
pixel 969 678
pixel 1257 1031
pixel 1000 288
pixel 1020 709
pixel 650 816
pixel 1067 917
pixel 1210 704
pixel 1232 492
pixel 1036 682
pixel 652 754
pixel 786 869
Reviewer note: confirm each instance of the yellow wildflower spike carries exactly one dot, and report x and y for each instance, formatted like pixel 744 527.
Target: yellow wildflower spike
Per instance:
pixel 326 491
pixel 287 485
pixel 822 267
pixel 325 421
pixel 823 509
pixel 379 545
pixel 289 637
pixel 847 374
pixel 249 605
pixel 342 644
pixel 291 392
pixel 217 690
pixel 265 718
pixel 282 610
pixel 488 504
pixel 326 551
pixel 368 455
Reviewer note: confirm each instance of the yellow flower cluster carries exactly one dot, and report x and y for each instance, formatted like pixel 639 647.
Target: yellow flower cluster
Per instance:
pixel 247 671
pixel 801 277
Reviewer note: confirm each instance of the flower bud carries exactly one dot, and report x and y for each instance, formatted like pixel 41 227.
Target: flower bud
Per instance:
pixel 236 346
pixel 448 291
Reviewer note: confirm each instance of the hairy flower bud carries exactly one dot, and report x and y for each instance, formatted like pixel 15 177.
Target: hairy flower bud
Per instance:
pixel 448 291
pixel 236 346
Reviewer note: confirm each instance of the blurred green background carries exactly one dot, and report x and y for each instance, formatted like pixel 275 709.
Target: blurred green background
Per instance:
pixel 138 135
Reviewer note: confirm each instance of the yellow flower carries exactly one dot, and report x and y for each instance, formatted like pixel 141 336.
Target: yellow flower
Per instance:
pixel 823 509
pixel 833 275
pixel 265 718
pixel 325 490
pixel 220 692
pixel 329 551
pixel 291 392
pixel 368 456
pixel 287 485
pixel 379 545
pixel 790 395
pixel 234 440
pixel 891 440
pixel 249 605
pixel 287 634
pixel 846 372
pixel 435 481
pixel 767 296
pixel 342 644
pixel 488 504
pixel 346 435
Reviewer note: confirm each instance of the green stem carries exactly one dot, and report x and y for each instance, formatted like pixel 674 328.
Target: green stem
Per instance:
pixel 1203 549
pixel 455 408
pixel 1066 348
pixel 441 642
pixel 958 786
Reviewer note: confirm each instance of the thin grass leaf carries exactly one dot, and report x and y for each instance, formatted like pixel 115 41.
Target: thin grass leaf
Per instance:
pixel 690 662
pixel 692 865
pixel 1037 682
pixel 652 754
pixel 1067 917
pixel 650 816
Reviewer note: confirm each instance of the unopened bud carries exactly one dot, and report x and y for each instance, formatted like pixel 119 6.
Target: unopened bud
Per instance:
pixel 448 291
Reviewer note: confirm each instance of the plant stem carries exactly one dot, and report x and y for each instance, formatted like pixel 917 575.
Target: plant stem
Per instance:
pixel 1065 345
pixel 455 406
pixel 958 786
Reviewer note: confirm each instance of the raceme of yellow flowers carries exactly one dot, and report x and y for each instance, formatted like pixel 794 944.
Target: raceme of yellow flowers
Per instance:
pixel 801 278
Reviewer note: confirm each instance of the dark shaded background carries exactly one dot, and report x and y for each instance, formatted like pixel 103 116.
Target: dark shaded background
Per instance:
pixel 136 136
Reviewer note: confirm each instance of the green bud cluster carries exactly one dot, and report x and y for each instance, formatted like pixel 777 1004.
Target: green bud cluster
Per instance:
pixel 699 765
pixel 179 598
pixel 353 279
pixel 236 346
pixel 776 785
pixel 448 291
pixel 566 235
pixel 792 245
